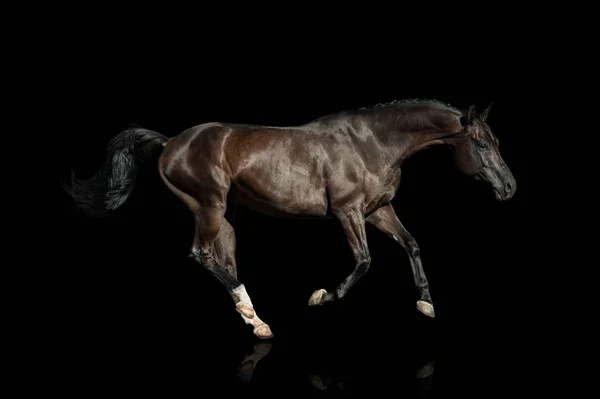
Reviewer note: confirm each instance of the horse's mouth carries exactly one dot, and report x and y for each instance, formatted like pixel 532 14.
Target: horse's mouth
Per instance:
pixel 502 197
pixel 499 196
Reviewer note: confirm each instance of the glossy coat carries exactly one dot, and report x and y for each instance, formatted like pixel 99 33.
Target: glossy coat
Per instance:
pixel 345 166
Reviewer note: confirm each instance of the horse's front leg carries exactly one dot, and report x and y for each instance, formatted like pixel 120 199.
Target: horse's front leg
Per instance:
pixel 353 223
pixel 385 219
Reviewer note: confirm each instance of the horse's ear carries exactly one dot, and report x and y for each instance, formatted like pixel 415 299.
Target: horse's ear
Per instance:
pixel 484 115
pixel 470 117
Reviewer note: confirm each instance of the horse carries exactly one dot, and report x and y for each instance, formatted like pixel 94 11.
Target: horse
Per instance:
pixel 345 166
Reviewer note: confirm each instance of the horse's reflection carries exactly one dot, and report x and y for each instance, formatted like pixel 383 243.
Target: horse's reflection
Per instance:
pixel 322 382
pixel 246 369
pixel 425 375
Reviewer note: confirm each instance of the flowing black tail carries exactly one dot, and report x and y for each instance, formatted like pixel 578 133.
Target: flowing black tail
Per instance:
pixel 110 187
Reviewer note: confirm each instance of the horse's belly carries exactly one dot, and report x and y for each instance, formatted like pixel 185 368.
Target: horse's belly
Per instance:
pixel 293 198
pixel 278 173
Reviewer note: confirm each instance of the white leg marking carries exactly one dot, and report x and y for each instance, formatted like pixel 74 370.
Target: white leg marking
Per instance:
pixel 244 306
pixel 241 296
pixel 243 303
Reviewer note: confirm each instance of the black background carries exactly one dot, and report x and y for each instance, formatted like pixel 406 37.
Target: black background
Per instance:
pixel 136 313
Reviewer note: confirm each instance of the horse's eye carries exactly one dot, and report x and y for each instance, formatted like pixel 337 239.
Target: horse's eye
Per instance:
pixel 482 144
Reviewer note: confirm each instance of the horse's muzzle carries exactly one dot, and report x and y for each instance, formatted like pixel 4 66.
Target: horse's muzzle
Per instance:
pixel 507 190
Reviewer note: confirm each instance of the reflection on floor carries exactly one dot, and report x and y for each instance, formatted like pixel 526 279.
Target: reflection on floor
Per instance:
pixel 246 369
pixel 324 382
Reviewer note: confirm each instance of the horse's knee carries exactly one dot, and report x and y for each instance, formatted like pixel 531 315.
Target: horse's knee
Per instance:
pixel 364 262
pixel 363 268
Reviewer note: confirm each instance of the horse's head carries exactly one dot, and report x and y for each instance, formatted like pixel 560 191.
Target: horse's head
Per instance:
pixel 477 154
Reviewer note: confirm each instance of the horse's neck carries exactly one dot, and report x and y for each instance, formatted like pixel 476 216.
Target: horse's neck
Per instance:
pixel 423 141
pixel 404 141
pixel 404 145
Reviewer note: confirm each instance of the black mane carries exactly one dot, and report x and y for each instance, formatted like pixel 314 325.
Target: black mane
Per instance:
pixel 411 101
pixel 417 121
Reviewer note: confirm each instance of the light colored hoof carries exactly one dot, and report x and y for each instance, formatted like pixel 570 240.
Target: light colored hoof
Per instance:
pixel 245 310
pixel 263 331
pixel 426 308
pixel 317 297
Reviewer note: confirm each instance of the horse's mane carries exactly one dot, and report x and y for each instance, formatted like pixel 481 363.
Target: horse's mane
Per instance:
pixel 410 101
pixel 393 104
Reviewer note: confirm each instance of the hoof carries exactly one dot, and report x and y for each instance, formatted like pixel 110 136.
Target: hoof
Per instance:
pixel 426 308
pixel 245 310
pixel 263 331
pixel 317 297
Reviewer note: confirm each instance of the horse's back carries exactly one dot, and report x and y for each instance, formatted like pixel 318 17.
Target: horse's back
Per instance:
pixel 237 143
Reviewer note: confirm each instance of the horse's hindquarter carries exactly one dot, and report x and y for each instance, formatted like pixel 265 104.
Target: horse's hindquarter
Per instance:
pixel 281 172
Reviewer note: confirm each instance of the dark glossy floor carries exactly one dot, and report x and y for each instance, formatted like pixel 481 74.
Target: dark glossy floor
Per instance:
pixel 324 352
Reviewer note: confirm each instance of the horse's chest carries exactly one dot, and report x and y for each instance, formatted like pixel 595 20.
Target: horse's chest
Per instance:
pixel 382 191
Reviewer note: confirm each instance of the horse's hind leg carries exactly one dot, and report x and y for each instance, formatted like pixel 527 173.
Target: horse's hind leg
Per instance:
pixel 209 221
pixel 209 241
pixel 224 249
pixel 224 253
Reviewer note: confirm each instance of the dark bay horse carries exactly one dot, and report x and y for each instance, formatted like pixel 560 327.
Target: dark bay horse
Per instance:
pixel 345 166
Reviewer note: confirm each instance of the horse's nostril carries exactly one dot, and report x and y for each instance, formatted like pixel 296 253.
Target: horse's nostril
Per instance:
pixel 508 188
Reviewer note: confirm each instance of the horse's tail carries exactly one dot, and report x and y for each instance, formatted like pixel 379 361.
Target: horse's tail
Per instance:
pixel 112 185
